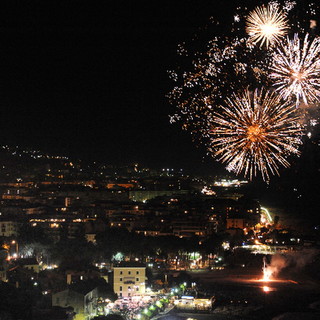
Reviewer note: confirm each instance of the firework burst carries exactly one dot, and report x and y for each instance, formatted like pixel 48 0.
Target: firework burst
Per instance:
pixel 255 131
pixel 296 69
pixel 266 25
pixel 250 132
pixel 224 68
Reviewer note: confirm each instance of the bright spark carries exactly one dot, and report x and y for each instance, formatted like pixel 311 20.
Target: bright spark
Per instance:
pixel 267 272
pixel 267 275
pixel 296 69
pixel 266 289
pixel 255 131
pixel 266 25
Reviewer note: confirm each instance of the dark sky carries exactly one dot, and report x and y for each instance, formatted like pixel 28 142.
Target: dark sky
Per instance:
pixel 89 77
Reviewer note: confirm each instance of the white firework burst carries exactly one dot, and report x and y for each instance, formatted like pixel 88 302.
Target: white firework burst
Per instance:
pixel 266 25
pixel 255 131
pixel 295 70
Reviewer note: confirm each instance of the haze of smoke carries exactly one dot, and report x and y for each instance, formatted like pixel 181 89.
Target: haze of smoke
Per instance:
pixel 295 261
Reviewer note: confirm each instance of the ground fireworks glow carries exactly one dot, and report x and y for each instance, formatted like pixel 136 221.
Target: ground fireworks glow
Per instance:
pixel 267 273
pixel 266 25
pixel 255 132
pixel 296 69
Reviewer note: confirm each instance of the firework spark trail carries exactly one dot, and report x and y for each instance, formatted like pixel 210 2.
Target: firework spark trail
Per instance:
pixel 255 132
pixel 296 69
pixel 266 25
pixel 225 67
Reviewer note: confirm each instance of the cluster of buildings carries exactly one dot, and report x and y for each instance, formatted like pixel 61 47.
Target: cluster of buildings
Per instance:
pixel 68 199
pixel 61 199
pixel 85 298
pixel 89 299
pixel 68 213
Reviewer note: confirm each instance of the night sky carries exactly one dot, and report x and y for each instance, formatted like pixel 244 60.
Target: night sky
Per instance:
pixel 89 78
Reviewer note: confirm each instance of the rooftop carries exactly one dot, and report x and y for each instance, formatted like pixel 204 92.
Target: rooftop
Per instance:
pixel 129 264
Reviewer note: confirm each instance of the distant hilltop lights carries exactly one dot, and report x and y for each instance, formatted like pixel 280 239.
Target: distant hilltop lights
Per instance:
pixel 35 154
pixel 171 172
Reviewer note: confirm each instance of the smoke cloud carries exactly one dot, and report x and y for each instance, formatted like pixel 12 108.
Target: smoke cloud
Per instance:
pixel 294 260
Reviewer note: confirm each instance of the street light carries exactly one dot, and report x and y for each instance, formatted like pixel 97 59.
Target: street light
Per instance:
pixel 15 243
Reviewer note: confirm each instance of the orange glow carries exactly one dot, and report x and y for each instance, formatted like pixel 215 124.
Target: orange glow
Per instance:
pixel 122 185
pixel 266 289
pixel 255 133
pixel 298 76
pixel 266 275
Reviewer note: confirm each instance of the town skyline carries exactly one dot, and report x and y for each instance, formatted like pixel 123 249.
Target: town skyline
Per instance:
pixel 159 160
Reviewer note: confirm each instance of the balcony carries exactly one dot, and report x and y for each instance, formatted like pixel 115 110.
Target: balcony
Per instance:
pixel 129 280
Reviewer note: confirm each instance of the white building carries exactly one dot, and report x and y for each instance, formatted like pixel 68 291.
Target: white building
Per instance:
pixel 129 279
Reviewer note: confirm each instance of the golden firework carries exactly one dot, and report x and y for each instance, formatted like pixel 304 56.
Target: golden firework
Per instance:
pixel 255 131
